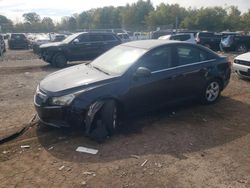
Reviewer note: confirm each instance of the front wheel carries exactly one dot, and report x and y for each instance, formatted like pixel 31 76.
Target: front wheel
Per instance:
pixel 211 92
pixel 241 48
pixel 59 61
pixel 109 114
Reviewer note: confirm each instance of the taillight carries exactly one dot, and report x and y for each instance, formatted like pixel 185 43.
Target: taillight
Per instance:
pixel 197 39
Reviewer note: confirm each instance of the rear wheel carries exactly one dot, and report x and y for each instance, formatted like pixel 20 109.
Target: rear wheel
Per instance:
pixel 109 114
pixel 241 48
pixel 211 92
pixel 59 61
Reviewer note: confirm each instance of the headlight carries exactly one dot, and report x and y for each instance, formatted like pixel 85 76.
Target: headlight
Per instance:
pixel 63 100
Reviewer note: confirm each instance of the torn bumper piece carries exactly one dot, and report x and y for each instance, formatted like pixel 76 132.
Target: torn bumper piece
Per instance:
pixel 90 115
pixel 61 116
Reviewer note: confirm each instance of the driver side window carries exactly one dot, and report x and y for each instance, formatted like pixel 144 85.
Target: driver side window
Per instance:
pixel 83 38
pixel 158 59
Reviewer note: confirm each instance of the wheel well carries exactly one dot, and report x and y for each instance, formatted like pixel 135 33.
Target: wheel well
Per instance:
pixel 220 82
pixel 58 53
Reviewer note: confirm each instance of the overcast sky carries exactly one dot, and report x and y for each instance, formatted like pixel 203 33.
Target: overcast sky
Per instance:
pixel 56 9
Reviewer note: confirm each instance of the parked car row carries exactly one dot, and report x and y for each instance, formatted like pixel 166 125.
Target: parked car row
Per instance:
pixel 2 45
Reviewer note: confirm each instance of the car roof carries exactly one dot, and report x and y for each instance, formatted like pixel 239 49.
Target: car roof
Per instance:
pixel 149 44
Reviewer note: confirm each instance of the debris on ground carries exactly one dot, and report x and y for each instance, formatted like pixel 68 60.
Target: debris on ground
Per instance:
pixel 135 156
pixel 89 173
pixel 61 168
pixel 83 183
pixel 25 146
pixel 51 148
pixel 87 150
pixel 144 163
pixel 33 118
pixel 159 165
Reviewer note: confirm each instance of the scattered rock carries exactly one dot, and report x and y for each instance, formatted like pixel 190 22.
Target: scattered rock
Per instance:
pixel 159 165
pixel 5 152
pixel 242 181
pixel 25 146
pixel 89 173
pixel 83 183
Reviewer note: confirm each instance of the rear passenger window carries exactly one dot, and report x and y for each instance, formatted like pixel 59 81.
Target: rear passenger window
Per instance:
pixel 96 38
pixel 188 55
pixel 108 38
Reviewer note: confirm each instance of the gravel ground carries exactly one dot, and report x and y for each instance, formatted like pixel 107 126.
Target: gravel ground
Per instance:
pixel 185 146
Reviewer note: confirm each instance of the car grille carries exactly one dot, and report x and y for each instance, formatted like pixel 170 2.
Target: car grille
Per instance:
pixel 245 73
pixel 247 63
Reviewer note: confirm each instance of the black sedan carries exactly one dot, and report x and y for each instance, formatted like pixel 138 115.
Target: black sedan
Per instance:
pixel 133 76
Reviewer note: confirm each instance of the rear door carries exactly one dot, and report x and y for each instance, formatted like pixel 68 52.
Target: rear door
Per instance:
pixel 109 41
pixel 193 66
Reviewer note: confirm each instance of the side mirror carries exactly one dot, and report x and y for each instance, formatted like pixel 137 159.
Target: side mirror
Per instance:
pixel 76 41
pixel 142 72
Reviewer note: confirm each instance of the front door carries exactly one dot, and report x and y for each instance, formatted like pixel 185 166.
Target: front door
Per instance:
pixel 148 92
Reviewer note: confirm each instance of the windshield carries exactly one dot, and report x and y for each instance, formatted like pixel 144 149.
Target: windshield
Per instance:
pixel 70 38
pixel 118 60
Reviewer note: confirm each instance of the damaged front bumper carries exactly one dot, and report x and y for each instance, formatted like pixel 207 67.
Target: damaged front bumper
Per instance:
pixel 66 116
pixel 58 116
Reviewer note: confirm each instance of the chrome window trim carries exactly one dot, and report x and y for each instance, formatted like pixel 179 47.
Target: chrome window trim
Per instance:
pixel 172 68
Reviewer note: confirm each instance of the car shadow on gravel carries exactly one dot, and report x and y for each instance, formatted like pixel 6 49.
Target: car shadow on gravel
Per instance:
pixel 175 131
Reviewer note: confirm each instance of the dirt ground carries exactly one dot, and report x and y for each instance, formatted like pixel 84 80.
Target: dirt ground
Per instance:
pixel 186 146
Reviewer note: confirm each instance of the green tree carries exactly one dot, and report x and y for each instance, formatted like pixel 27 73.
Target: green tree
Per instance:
pixel 245 21
pixel 133 16
pixel 31 17
pixel 6 24
pixel 212 19
pixel 232 21
pixel 47 24
pixel 166 15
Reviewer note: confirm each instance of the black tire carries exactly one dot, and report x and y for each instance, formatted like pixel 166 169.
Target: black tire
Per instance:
pixel 211 92
pixel 241 48
pixel 59 60
pixel 109 116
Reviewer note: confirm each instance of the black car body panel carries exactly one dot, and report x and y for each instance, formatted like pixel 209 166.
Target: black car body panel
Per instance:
pixel 163 86
pixel 18 41
pixel 2 45
pixel 209 39
pixel 81 46
pixel 233 42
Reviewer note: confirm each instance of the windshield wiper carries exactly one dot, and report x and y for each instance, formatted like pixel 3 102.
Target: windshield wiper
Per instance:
pixel 100 70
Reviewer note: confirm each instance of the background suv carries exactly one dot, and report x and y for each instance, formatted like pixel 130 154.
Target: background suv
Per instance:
pixel 18 41
pixel 79 46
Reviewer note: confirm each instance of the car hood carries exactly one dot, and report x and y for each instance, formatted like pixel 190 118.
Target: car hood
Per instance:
pixel 52 44
pixel 73 79
pixel 244 57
